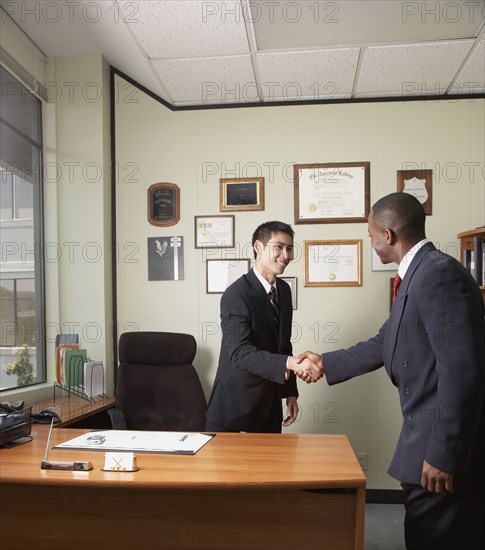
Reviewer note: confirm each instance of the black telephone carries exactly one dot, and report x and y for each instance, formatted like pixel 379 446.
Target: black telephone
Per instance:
pixel 45 417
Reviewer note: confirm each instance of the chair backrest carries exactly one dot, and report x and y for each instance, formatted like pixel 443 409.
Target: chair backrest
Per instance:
pixel 157 386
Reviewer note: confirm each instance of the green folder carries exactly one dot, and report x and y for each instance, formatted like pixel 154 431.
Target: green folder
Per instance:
pixel 74 360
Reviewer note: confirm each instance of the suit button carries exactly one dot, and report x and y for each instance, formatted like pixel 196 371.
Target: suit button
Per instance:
pixel 409 418
pixel 406 391
pixel 404 364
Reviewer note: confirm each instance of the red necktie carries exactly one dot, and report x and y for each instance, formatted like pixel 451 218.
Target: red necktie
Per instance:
pixel 395 286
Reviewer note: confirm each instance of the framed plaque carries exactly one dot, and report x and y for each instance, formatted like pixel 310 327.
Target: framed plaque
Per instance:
pixel 241 194
pixel 418 183
pixel 332 193
pixel 163 204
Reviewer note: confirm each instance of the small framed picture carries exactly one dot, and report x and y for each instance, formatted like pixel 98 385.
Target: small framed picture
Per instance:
pixel 222 273
pixel 333 263
pixel 418 183
pixel 163 204
pixel 292 281
pixel 214 231
pixel 241 194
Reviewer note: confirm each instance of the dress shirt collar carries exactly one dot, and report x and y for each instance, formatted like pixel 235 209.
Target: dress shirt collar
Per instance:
pixel 408 258
pixel 266 285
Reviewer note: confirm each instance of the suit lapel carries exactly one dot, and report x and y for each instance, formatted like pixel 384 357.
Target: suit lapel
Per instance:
pixel 399 305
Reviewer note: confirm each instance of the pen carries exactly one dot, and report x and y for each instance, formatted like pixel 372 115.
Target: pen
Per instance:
pixel 184 437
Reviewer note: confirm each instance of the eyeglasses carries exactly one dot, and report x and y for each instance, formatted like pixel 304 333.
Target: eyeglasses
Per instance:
pixel 281 246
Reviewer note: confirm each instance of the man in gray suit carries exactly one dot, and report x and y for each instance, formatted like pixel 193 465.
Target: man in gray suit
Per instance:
pixel 433 349
pixel 256 366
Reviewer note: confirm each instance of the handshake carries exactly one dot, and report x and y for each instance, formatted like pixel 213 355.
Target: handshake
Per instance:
pixel 307 366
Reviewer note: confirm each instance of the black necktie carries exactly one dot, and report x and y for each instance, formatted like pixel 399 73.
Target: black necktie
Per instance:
pixel 274 303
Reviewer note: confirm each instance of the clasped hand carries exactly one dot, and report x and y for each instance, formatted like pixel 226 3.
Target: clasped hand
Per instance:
pixel 307 366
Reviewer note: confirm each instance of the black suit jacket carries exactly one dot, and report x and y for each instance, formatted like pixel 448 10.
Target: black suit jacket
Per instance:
pixel 433 349
pixel 250 380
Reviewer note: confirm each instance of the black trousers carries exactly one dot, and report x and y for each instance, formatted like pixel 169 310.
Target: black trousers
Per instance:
pixel 449 522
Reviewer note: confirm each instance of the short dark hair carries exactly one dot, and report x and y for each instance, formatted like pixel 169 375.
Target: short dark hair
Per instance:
pixel 264 232
pixel 402 213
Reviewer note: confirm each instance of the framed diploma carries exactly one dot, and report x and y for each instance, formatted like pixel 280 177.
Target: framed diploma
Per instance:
pixel 241 194
pixel 333 263
pixel 221 273
pixel 419 184
pixel 214 231
pixel 163 201
pixel 292 281
pixel 332 193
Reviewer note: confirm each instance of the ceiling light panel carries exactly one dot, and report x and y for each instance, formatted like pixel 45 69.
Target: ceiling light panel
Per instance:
pixel 320 24
pixel 167 29
pixel 209 80
pixel 312 75
pixel 418 69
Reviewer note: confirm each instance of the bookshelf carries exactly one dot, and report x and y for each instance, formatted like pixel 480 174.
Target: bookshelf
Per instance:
pixel 472 252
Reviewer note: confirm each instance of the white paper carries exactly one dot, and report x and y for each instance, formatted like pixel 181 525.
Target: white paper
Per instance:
pixel 141 441
pixel 93 378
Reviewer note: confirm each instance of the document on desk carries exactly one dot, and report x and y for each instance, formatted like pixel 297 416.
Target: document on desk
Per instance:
pixel 139 441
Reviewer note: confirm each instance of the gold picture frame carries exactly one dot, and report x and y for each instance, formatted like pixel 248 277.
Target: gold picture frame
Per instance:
pixel 333 263
pixel 241 194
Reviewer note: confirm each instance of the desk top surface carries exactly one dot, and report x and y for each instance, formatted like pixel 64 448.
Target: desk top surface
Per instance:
pixel 302 460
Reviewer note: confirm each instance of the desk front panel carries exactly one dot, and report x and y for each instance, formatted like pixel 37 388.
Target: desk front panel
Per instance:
pixel 239 491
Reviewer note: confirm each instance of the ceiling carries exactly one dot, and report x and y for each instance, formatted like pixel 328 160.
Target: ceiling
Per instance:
pixel 221 52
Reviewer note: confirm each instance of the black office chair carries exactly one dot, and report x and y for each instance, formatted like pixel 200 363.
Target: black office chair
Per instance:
pixel 157 386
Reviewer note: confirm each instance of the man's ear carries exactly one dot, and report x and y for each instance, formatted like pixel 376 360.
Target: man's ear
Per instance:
pixel 258 248
pixel 391 237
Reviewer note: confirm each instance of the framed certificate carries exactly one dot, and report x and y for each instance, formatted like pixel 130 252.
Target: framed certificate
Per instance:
pixel 332 193
pixel 292 282
pixel 214 231
pixel 333 263
pixel 163 201
pixel 221 273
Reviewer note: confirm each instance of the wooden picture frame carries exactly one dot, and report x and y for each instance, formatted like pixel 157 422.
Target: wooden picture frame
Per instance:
pixel 332 192
pixel 214 231
pixel 163 204
pixel 292 282
pixel 333 263
pixel 418 183
pixel 241 194
pixel 221 273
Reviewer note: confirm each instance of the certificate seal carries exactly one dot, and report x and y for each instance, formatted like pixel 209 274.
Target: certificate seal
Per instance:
pixel 312 207
pixel 332 276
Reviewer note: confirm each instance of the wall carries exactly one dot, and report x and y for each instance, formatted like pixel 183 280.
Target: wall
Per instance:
pixel 195 148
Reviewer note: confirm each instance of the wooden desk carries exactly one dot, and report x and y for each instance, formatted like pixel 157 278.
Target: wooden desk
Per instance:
pixel 240 491
pixel 74 410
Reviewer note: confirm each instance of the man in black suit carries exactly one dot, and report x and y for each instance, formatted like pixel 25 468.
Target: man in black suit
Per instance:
pixel 433 349
pixel 256 366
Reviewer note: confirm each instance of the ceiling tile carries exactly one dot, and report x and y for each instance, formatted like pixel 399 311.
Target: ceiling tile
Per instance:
pixel 410 70
pixel 472 78
pixel 209 80
pixel 167 29
pixel 312 75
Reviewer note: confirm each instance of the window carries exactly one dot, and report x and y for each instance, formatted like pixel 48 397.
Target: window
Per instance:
pixel 22 355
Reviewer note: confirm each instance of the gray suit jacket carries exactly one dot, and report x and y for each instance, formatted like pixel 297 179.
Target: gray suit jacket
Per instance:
pixel 250 380
pixel 433 349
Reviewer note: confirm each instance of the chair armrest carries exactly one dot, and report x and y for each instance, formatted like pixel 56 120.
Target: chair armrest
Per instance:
pixel 118 421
